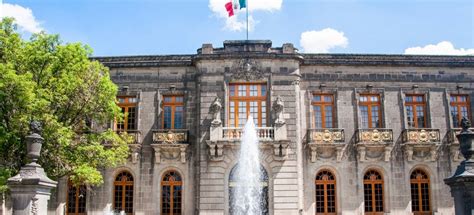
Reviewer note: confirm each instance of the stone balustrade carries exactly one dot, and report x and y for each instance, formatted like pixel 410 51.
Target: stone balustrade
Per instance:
pixel 170 145
pixel 233 133
pixel 326 143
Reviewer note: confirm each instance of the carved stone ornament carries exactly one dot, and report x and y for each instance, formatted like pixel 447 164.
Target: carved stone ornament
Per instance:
pixel 375 136
pixel 465 124
pixel 327 136
pixel 215 110
pixel 169 137
pixel 277 108
pixel 247 69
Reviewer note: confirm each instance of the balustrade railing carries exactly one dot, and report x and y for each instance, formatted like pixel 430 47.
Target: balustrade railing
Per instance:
pixel 135 134
pixel 234 133
pixel 170 136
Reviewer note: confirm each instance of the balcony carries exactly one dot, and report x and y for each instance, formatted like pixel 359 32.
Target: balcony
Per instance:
pixel 135 144
pixel 229 137
pixel 453 143
pixel 374 144
pixel 421 144
pixel 326 143
pixel 170 145
pixel 234 134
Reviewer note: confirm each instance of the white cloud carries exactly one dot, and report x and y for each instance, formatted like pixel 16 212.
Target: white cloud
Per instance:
pixel 442 48
pixel 238 21
pixel 322 41
pixel 23 17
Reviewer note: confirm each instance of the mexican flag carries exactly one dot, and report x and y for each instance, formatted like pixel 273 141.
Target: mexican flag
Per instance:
pixel 236 4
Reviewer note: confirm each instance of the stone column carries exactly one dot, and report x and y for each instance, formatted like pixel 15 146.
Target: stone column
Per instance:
pixel 31 188
pixel 462 182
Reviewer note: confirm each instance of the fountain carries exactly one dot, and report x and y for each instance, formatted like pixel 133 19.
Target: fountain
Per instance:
pixel 248 196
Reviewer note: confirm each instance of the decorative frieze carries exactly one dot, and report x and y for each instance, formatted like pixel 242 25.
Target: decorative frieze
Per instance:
pixel 326 143
pixel 170 144
pixel 421 144
pixel 374 144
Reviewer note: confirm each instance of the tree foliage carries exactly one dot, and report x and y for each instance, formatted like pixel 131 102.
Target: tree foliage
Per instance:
pixel 57 84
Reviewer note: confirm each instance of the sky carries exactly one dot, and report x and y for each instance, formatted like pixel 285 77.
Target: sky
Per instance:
pixel 148 27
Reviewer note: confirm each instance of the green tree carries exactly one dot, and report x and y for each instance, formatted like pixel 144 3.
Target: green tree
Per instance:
pixel 58 85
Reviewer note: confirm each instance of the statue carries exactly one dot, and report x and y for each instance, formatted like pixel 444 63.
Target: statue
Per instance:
pixel 35 127
pixel 465 124
pixel 215 110
pixel 278 106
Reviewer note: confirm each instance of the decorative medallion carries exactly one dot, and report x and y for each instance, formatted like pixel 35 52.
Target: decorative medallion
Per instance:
pixel 247 69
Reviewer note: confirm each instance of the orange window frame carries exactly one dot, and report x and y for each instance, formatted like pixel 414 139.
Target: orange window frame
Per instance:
pixel 371 104
pixel 372 182
pixel 418 181
pixel 414 104
pixel 76 199
pixel 458 103
pixel 259 98
pixel 323 104
pixel 123 184
pixel 172 104
pixel 325 182
pixel 128 103
pixel 171 184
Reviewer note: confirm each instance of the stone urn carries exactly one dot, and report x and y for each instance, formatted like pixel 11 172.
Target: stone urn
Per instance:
pixel 34 142
pixel 466 140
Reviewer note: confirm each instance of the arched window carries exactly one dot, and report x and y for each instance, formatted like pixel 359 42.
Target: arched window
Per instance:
pixel 373 192
pixel 171 193
pixel 420 192
pixel 232 191
pixel 325 193
pixel 76 199
pixel 123 193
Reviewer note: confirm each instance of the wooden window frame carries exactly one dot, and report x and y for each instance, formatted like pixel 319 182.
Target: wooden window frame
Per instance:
pixel 76 199
pixel 418 182
pixel 372 184
pixel 325 184
pixel 370 104
pixel 123 184
pixel 247 99
pixel 414 104
pixel 127 105
pixel 459 104
pixel 171 184
pixel 173 104
pixel 322 104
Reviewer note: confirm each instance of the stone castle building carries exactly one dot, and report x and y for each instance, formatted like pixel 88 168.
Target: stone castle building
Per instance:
pixel 339 133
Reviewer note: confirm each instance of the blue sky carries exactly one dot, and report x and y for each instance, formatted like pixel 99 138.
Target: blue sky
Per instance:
pixel 139 27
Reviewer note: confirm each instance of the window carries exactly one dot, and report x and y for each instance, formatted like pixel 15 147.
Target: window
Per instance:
pixel 235 208
pixel 459 108
pixel 325 193
pixel 245 100
pixel 420 192
pixel 324 111
pixel 129 109
pixel 171 193
pixel 416 110
pixel 370 110
pixel 373 192
pixel 76 199
pixel 173 107
pixel 123 193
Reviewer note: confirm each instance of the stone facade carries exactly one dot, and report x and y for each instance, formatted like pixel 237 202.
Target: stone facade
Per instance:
pixel 294 151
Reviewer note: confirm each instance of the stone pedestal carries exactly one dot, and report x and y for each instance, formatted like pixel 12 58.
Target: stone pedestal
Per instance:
pixel 31 188
pixel 462 182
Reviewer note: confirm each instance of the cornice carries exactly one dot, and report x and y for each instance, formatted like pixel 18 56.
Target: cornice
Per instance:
pixel 304 59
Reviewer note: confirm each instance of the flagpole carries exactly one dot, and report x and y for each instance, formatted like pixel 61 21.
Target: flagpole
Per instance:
pixel 247 9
